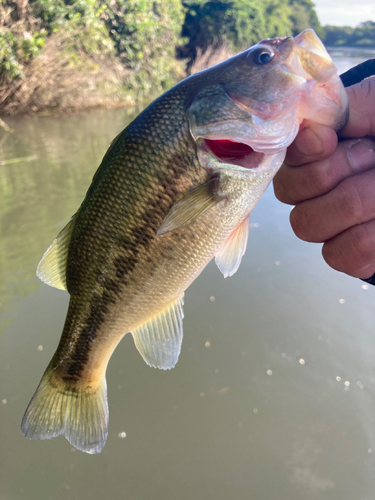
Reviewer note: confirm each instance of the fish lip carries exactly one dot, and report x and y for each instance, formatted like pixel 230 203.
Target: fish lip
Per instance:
pixel 312 43
pixel 332 95
pixel 311 61
pixel 309 58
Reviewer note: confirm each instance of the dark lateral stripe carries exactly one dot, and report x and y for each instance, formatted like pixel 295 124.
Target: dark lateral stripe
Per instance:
pixel 140 238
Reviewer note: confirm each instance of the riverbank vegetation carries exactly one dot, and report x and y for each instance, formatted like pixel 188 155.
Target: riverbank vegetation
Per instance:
pixel 361 36
pixel 63 54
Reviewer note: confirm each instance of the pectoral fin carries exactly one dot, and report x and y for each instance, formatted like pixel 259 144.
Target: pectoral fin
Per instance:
pixel 159 340
pixel 52 268
pixel 228 257
pixel 192 206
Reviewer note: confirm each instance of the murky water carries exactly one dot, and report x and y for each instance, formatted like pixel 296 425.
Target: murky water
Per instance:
pixel 274 393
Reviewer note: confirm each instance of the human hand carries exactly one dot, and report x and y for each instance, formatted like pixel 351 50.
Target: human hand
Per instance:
pixel 332 185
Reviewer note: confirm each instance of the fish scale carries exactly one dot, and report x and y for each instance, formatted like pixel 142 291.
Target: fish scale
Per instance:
pixel 161 205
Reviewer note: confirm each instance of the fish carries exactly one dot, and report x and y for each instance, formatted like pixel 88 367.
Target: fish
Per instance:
pixel 174 190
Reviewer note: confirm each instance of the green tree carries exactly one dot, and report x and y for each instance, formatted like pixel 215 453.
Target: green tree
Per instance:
pixel 303 16
pixel 361 36
pixel 237 23
pixel 145 35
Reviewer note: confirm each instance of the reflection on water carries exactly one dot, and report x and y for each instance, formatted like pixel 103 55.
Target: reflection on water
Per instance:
pixel 62 155
pixel 274 393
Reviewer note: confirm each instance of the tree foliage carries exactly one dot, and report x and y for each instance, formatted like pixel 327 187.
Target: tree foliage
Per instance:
pixel 304 16
pixel 145 35
pixel 23 32
pixel 241 23
pixel 361 36
pixel 237 23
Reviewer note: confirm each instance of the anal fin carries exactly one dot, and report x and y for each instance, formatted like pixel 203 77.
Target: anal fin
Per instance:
pixel 228 257
pixel 159 339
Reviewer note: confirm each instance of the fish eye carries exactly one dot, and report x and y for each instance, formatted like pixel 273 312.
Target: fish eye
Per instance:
pixel 262 55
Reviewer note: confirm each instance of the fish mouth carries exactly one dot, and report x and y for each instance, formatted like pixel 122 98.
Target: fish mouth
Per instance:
pixel 234 153
pixel 226 153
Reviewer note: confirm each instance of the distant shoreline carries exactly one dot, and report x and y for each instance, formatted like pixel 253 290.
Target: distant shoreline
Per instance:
pixel 367 50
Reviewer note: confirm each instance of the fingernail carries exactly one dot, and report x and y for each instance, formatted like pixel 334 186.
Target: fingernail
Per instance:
pixel 361 156
pixel 309 143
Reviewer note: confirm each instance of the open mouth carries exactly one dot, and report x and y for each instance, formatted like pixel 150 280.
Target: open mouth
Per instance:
pixel 235 153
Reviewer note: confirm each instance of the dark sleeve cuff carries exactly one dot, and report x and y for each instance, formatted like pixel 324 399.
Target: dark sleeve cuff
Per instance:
pixel 356 75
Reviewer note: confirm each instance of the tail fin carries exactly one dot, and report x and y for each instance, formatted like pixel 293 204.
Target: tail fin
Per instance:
pixel 57 408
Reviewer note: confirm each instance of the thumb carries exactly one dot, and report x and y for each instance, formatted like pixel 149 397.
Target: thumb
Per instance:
pixel 362 110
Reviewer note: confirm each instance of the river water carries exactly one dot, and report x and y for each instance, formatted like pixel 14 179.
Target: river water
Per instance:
pixel 274 393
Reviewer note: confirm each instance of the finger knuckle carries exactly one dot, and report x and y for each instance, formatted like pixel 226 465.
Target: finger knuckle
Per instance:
pixel 279 189
pixel 300 222
pixel 320 177
pixel 348 203
pixel 352 251
pixel 364 241
pixel 283 188
pixel 332 255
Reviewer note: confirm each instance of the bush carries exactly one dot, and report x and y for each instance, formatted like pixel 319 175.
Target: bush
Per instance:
pixel 145 35
pixel 23 35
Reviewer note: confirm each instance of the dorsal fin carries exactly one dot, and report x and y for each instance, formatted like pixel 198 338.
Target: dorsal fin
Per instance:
pixel 159 339
pixel 52 268
pixel 228 257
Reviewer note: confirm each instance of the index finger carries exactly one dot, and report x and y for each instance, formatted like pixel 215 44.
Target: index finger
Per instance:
pixel 361 121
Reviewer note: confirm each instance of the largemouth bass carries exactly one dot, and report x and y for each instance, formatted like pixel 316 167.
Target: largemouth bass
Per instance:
pixel 174 190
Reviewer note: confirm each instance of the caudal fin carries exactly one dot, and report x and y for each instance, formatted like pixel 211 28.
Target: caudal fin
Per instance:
pixel 57 408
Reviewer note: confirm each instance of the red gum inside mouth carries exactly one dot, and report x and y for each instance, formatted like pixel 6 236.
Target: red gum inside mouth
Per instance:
pixel 235 153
